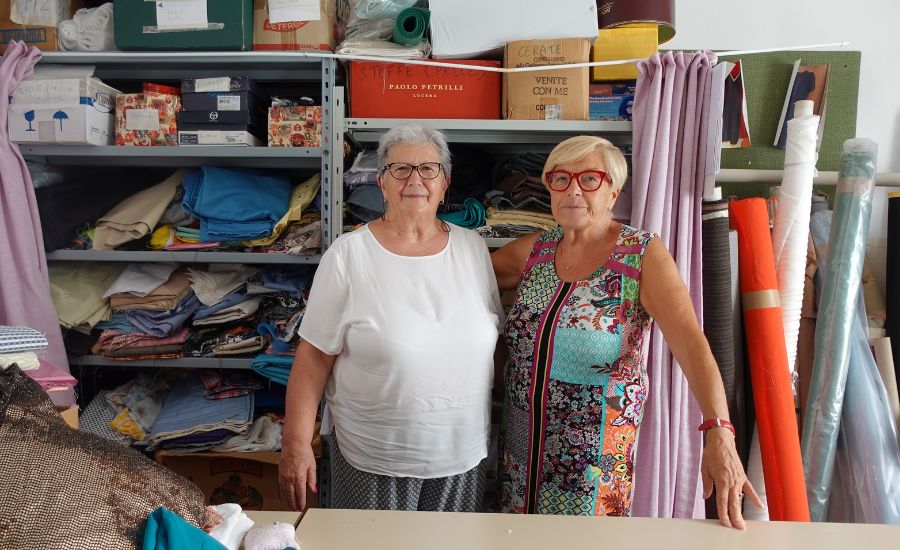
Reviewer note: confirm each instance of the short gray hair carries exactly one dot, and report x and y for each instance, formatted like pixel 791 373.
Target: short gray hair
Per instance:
pixel 414 134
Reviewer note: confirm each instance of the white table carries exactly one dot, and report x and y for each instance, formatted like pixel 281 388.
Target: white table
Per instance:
pixel 379 530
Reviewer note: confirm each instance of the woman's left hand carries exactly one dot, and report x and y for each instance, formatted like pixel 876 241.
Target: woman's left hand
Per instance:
pixel 721 468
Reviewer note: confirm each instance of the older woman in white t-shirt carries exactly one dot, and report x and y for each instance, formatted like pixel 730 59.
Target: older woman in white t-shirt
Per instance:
pixel 400 330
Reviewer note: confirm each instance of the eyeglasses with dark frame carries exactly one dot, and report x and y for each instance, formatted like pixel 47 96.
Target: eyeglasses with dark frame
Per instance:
pixel 588 180
pixel 403 170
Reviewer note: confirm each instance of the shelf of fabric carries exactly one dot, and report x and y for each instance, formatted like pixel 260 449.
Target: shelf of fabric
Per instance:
pixel 180 363
pixel 168 66
pixel 194 155
pixel 181 256
pixel 495 131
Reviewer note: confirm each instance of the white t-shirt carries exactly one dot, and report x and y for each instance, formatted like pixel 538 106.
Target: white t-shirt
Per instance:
pixel 410 391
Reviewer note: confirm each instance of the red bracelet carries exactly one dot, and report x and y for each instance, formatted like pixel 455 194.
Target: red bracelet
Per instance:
pixel 716 423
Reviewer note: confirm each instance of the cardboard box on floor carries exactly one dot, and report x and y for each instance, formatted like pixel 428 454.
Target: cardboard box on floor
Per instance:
pixel 558 94
pixel 41 37
pixel 248 479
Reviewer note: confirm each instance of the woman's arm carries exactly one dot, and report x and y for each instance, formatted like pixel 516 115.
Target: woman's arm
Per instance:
pixel 665 297
pixel 297 468
pixel 509 261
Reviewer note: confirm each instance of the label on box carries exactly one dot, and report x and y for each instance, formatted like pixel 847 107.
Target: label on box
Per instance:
pixel 181 14
pixel 63 92
pixel 220 84
pixel 553 112
pixel 142 119
pixel 228 103
pixel 282 11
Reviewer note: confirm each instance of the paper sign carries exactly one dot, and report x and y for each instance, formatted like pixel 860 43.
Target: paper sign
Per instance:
pixel 48 93
pixel 142 119
pixel 220 84
pixel 282 11
pixel 181 14
pixel 47 13
pixel 228 103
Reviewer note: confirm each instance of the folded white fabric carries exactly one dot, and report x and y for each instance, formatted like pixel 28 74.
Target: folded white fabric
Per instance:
pixel 89 30
pixel 271 536
pixel 141 279
pixel 213 285
pixel 235 524
pixel 13 339
pixel 264 435
pixel 26 360
pixel 245 309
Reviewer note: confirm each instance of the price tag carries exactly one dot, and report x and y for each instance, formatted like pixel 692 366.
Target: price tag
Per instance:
pixel 282 11
pixel 220 84
pixel 181 14
pixel 228 103
pixel 142 119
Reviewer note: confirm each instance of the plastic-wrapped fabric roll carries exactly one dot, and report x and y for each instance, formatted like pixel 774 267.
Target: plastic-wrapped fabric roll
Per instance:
pixel 790 236
pixel 837 307
pixel 892 291
pixel 411 26
pixel 772 394
pixel 885 361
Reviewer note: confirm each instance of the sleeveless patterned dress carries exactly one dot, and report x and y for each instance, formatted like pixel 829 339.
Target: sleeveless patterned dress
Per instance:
pixel 575 384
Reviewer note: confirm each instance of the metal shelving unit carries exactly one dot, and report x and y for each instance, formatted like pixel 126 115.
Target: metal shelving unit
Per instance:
pixel 180 363
pixel 279 68
pixel 192 256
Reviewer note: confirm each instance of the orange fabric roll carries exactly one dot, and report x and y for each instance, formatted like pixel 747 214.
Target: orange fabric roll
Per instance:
pixel 779 438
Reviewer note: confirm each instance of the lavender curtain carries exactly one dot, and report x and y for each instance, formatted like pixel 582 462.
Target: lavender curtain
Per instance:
pixel 24 285
pixel 668 161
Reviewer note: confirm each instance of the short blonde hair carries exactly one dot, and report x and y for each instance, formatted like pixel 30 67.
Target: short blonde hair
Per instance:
pixel 577 148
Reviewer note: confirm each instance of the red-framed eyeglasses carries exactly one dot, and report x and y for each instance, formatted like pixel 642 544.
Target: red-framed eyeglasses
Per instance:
pixel 588 180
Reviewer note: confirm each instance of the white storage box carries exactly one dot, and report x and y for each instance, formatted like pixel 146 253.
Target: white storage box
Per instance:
pixel 63 110
pixel 469 29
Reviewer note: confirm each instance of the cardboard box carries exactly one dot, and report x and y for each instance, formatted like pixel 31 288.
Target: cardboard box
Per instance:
pixel 557 94
pixel 299 126
pixel 394 90
pixel 318 34
pixel 147 119
pixel 70 415
pixel 633 42
pixel 43 37
pixel 63 110
pixel 248 479
pixel 213 25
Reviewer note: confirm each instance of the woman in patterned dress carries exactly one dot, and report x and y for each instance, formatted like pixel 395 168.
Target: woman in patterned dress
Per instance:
pixel 576 382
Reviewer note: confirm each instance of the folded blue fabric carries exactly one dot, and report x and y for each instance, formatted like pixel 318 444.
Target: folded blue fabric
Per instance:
pixel 471 216
pixel 166 530
pixel 235 204
pixel 292 279
pixel 119 321
pixel 187 407
pixel 164 323
pixel 276 368
pixel 231 299
pixel 268 329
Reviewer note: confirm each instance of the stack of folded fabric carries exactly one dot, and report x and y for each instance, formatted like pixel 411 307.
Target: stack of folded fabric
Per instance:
pixel 470 215
pixel 302 196
pixel 77 289
pixel 19 346
pixel 190 421
pixel 235 204
pixel 387 29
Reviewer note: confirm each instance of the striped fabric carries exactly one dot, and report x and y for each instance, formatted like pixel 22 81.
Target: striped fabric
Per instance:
pixel 14 339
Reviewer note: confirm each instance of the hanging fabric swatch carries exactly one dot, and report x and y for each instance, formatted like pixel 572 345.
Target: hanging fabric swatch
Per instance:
pixel 837 307
pixel 772 395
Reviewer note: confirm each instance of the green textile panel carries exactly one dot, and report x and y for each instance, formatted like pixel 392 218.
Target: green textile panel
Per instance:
pixel 766 78
pixel 230 27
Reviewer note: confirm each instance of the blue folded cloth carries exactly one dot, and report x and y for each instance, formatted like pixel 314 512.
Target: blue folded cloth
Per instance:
pixel 231 299
pixel 166 530
pixel 292 279
pixel 164 323
pixel 471 216
pixel 119 321
pixel 235 204
pixel 276 368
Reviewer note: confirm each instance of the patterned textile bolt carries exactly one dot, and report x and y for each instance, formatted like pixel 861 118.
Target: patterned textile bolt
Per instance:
pixel 576 384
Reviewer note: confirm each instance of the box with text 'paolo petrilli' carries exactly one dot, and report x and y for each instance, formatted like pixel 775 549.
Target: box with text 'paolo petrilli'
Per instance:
pixel 553 94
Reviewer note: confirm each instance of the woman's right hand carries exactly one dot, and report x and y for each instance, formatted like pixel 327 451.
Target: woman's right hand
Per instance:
pixel 296 472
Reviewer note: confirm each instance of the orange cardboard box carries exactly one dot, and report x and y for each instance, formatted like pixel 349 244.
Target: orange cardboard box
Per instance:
pixel 395 90
pixel 295 35
pixel 44 38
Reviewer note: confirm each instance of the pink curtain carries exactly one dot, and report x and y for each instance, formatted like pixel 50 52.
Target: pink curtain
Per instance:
pixel 668 160
pixel 24 285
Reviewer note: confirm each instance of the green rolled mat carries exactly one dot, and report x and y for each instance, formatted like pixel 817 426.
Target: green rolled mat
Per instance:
pixel 410 27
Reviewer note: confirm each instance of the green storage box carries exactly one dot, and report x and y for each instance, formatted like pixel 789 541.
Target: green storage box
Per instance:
pixel 224 25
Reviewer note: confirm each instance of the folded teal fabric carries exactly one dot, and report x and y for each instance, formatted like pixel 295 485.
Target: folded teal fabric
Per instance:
pixel 166 530
pixel 410 27
pixel 471 216
pixel 276 368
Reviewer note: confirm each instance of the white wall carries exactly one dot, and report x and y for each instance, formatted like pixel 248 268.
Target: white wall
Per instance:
pixel 871 26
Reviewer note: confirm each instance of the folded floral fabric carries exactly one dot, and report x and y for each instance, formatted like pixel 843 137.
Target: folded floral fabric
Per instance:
pixel 125 425
pixel 232 384
pixel 113 340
